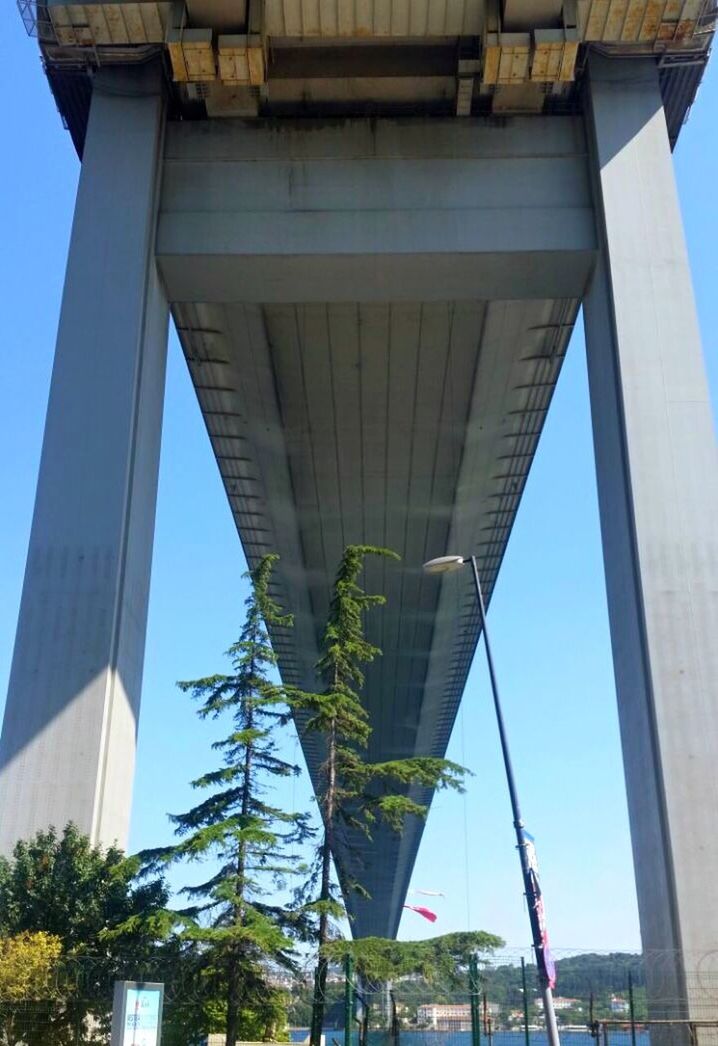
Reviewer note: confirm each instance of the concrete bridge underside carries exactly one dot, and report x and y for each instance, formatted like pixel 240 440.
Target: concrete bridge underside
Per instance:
pixel 374 314
pixel 403 424
pixel 362 381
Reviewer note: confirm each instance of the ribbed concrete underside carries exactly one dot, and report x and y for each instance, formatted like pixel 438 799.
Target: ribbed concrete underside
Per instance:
pixel 406 425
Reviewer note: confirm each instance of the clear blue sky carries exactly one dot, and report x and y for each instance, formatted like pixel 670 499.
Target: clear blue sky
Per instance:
pixel 559 694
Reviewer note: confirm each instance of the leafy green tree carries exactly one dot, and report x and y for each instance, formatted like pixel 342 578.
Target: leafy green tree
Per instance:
pixel 28 982
pixel 64 889
pixel 428 971
pixel 196 1004
pixel 445 958
pixel 28 962
pixel 236 825
pixel 352 792
pixel 65 886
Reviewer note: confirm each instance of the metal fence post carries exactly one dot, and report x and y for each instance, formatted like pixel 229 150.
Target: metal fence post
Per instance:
pixel 394 1020
pixel 474 1001
pixel 348 999
pixel 365 1023
pixel 487 1020
pixel 632 1009
pixel 526 1001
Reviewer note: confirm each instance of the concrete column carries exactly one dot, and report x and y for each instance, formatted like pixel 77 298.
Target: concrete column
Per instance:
pixel 68 740
pixel 657 469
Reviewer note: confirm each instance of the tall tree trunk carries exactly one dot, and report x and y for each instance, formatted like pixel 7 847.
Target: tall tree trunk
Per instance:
pixel 234 980
pixel 233 999
pixel 320 977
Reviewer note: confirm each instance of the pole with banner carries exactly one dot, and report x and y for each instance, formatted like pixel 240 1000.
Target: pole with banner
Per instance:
pixel 524 842
pixel 537 917
pixel 137 1013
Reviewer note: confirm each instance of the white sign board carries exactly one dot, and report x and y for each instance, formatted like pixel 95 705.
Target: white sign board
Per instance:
pixel 137 1014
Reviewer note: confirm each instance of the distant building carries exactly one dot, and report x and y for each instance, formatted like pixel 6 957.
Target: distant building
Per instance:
pixel 280 979
pixel 619 1005
pixel 450 1016
pixel 444 1015
pixel 561 1003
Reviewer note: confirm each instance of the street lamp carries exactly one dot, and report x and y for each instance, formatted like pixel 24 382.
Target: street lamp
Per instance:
pixel 447 565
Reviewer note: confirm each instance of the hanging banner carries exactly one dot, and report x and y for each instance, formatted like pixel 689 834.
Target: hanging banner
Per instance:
pixel 421 910
pixel 535 900
pixel 137 1014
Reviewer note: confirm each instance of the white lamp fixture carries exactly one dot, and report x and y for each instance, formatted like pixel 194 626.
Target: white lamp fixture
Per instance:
pixel 444 564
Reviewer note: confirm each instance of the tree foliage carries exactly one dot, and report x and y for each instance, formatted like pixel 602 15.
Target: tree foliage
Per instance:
pixel 578 977
pixel 198 1005
pixel 378 959
pixel 352 792
pixel 28 965
pixel 236 825
pixel 60 900
pixel 64 886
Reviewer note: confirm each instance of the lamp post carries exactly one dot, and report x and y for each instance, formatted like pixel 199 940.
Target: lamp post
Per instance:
pixel 446 565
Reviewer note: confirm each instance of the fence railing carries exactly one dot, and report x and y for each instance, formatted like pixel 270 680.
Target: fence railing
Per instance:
pixel 610 999
pixel 604 999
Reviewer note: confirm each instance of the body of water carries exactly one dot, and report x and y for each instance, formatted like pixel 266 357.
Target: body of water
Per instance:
pixel 463 1038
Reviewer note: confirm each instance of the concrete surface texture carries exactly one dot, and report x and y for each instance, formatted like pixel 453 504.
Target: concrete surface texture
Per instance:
pixel 657 468
pixel 68 739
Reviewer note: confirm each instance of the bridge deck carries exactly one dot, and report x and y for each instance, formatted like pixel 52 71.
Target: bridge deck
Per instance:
pixel 402 403
pixel 406 425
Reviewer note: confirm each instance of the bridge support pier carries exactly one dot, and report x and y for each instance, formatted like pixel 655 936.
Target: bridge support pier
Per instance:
pixel 657 470
pixel 68 741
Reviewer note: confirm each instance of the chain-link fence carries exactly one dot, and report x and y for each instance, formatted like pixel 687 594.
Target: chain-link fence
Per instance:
pixel 69 1002
pixel 605 999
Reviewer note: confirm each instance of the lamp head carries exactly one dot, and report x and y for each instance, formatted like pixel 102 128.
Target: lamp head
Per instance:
pixel 444 564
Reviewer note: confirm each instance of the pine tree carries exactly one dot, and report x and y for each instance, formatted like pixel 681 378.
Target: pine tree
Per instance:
pixel 236 824
pixel 352 792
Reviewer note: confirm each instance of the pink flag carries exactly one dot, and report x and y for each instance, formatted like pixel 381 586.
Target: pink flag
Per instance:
pixel 420 910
